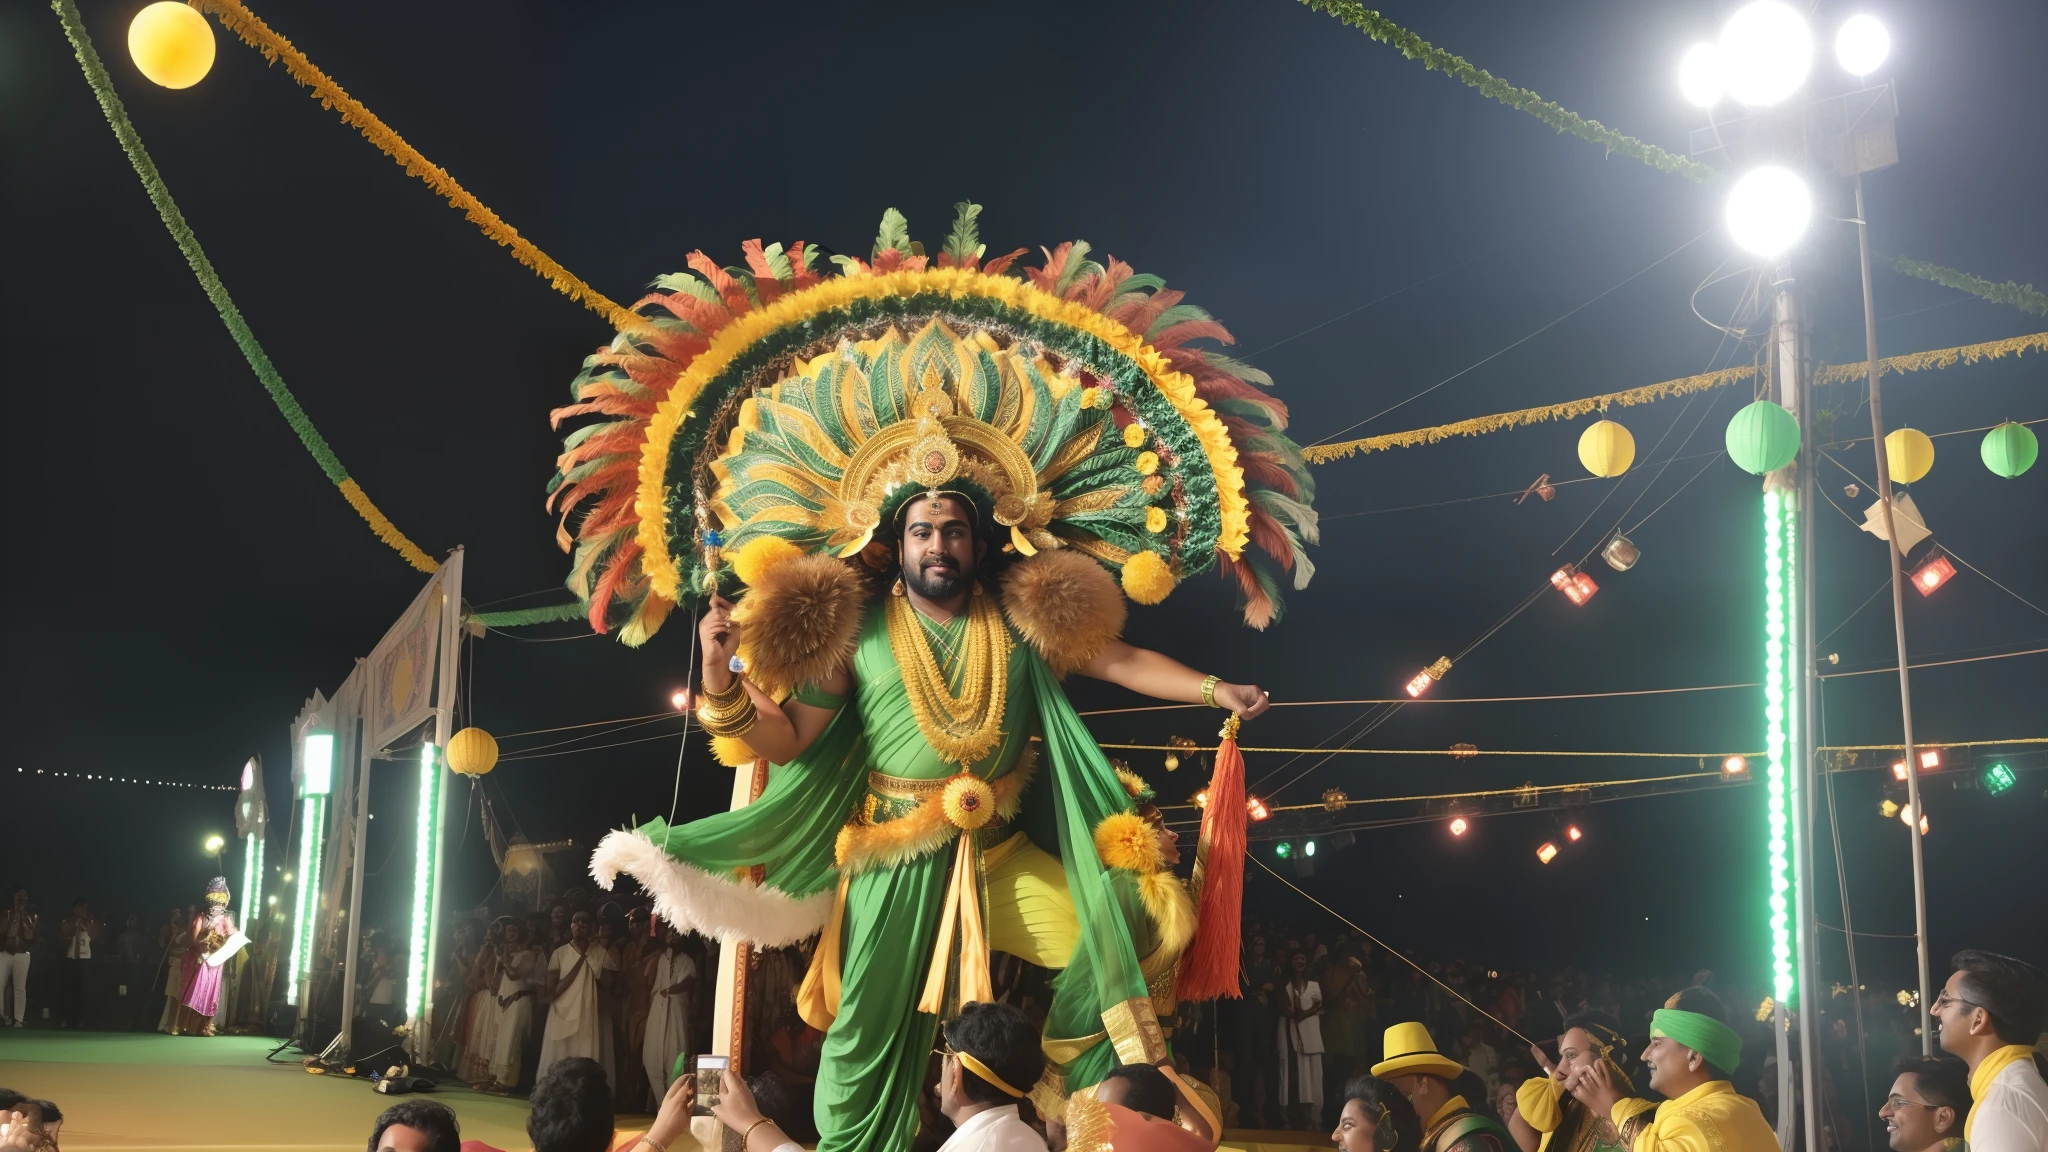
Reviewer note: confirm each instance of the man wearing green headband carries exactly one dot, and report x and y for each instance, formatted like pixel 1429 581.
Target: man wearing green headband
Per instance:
pixel 1691 1054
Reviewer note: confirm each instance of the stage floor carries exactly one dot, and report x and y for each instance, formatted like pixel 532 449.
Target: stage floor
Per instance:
pixel 144 1090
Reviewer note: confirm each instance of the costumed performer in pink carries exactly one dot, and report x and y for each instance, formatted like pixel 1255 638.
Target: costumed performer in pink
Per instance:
pixel 215 940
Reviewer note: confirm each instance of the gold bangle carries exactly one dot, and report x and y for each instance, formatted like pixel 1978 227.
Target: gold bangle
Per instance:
pixel 737 720
pixel 749 1133
pixel 1209 684
pixel 724 701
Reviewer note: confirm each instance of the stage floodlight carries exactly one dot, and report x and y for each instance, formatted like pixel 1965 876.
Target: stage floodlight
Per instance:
pixel 1699 75
pixel 1765 53
pixel 1768 211
pixel 1862 45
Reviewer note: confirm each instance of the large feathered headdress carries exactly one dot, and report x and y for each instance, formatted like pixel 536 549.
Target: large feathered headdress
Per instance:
pixel 775 403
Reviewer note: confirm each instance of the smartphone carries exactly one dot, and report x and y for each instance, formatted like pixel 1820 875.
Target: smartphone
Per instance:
pixel 710 1070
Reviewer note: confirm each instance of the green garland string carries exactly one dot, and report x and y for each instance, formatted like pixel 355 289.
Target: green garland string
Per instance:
pixel 519 617
pixel 1356 15
pixel 2021 296
pixel 1414 47
pixel 174 220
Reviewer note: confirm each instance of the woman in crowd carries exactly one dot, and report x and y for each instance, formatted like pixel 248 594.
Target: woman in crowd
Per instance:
pixel 1376 1118
pixel 1549 1119
pixel 519 984
pixel 478 1030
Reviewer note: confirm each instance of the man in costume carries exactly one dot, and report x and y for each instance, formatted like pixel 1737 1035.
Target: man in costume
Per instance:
pixel 1690 1054
pixel 1424 1076
pixel 1990 1013
pixel 937 483
pixel 213 942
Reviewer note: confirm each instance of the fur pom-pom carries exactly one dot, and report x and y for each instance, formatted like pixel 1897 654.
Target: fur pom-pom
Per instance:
pixel 732 752
pixel 798 625
pixel 757 557
pixel 1147 579
pixel 1126 840
pixel 1065 605
pixel 1166 900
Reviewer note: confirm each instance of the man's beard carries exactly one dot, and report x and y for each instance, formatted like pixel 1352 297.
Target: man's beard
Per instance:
pixel 938 582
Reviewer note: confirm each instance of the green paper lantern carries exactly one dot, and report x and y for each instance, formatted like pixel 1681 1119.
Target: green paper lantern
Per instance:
pixel 1763 438
pixel 2010 449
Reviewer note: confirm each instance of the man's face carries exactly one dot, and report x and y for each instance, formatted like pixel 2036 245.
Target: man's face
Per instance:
pixel 1300 962
pixel 403 1138
pixel 558 916
pixel 1952 1016
pixel 939 548
pixel 579 929
pixel 1258 946
pixel 1910 1125
pixel 1668 1060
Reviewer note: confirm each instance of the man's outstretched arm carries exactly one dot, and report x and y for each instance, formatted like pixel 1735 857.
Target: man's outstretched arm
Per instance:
pixel 1161 677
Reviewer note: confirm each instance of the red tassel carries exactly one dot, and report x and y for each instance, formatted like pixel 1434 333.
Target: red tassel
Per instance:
pixel 1209 968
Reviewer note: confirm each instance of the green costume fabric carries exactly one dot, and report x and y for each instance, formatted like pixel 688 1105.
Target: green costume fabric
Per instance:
pixel 876 1051
pixel 1705 1035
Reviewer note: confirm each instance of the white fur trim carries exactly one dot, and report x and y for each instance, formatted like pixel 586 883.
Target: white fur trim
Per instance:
pixel 698 901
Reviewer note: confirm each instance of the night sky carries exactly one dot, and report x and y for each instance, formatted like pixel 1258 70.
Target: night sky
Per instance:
pixel 183 576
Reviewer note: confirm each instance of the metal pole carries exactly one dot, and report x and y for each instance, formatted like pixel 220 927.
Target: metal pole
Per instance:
pixel 1884 496
pixel 1799 381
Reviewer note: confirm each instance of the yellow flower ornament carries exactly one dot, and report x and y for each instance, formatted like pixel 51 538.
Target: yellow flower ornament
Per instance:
pixel 968 802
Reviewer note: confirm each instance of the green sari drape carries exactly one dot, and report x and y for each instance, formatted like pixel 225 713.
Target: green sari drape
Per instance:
pixel 877 1048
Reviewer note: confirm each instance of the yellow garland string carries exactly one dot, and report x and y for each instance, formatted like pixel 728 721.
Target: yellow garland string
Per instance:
pixel 258 35
pixel 1572 409
pixel 384 528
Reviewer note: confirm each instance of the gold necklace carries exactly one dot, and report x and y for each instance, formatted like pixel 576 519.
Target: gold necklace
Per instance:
pixel 961 729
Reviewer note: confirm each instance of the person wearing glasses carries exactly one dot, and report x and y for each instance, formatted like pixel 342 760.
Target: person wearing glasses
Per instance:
pixel 1927 1106
pixel 1990 1013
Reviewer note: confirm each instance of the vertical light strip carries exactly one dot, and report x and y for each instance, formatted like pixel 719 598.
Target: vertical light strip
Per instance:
pixel 316 780
pixel 1797 663
pixel 252 856
pixel 1778 557
pixel 309 831
pixel 423 880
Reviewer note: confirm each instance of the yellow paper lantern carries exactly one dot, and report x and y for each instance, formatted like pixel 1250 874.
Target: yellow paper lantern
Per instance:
pixel 1607 449
pixel 171 43
pixel 472 752
pixel 1910 454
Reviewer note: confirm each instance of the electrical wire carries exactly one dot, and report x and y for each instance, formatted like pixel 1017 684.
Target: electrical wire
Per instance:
pixel 1369 304
pixel 1516 344
pixel 1451 700
pixel 1384 947
pixel 655 719
pixel 590 724
pixel 579 751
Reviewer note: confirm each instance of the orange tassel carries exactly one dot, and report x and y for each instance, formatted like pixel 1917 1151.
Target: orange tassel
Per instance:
pixel 1209 968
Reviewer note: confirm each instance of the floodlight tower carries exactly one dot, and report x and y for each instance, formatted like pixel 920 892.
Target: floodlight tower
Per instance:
pixel 1762 60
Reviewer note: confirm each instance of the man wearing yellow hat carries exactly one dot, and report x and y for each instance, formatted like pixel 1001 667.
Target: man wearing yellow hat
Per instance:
pixel 1691 1054
pixel 1424 1076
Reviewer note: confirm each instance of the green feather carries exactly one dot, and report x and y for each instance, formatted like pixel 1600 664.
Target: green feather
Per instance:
pixel 963 243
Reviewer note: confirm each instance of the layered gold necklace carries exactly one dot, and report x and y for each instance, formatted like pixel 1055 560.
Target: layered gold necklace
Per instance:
pixel 961 727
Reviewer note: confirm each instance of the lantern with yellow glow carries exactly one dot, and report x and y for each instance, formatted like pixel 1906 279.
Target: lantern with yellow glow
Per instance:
pixel 1909 453
pixel 171 44
pixel 1607 449
pixel 472 752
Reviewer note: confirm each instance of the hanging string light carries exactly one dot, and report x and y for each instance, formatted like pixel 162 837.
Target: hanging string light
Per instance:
pixel 110 778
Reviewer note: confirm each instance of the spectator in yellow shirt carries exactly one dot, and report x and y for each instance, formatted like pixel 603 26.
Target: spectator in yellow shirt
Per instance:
pixel 1690 1054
